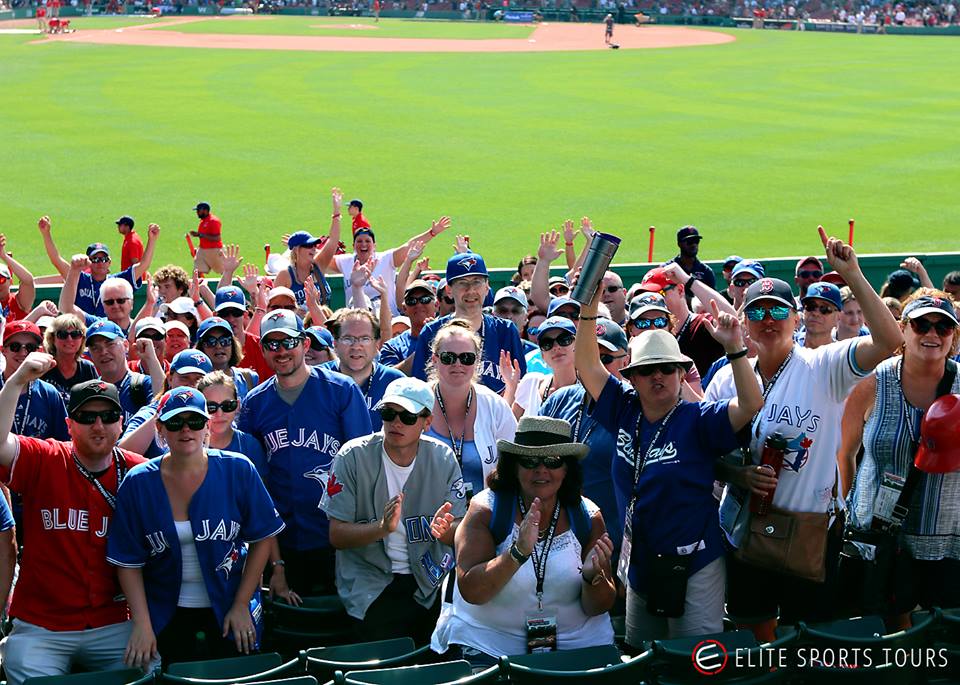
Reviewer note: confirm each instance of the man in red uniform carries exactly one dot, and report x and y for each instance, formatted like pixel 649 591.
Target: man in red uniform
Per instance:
pixel 132 250
pixel 17 305
pixel 355 209
pixel 68 609
pixel 209 256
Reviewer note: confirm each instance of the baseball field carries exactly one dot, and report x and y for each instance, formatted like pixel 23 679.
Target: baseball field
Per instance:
pixel 755 140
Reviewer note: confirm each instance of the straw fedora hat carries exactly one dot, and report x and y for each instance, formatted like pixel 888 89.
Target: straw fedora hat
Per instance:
pixel 539 436
pixel 655 347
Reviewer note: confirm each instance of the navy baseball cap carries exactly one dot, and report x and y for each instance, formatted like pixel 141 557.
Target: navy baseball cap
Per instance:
pixel 302 239
pixel 356 203
pixel 465 264
pixel 750 266
pixel 930 305
pixel 191 361
pixel 732 260
pixel 94 248
pixel 213 322
pixel 688 232
pixel 108 329
pixel 230 297
pixel 281 321
pixel 126 220
pixel 558 302
pixel 181 400
pixel 770 289
pixel 202 205
pixel 560 323
pixel 647 302
pixel 824 291
pixel 320 337
pixel 610 336
pixel 364 230
pixel 95 389
pixel 902 279
pixel 511 292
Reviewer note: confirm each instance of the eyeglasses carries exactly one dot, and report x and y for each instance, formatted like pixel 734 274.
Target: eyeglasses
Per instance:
pixel 744 282
pixel 155 337
pixel 531 463
pixel 809 274
pixel 468 283
pixel 657 322
pixel 226 406
pixel 922 326
pixel 74 334
pixel 822 308
pixel 88 418
pixel 17 346
pixel 451 358
pixel 194 422
pixel 666 369
pixel 412 301
pixel 776 313
pixel 221 341
pixel 274 345
pixel 116 300
pixel 99 260
pixel 613 288
pixel 564 340
pixel 406 418
pixel 355 339
pixel 608 359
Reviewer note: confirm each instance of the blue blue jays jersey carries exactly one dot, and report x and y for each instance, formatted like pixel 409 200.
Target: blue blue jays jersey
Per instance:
pixel 88 291
pixel 229 510
pixel 40 413
pixel 240 380
pixel 250 447
pixel 373 389
pixel 498 335
pixel 396 349
pixel 131 400
pixel 300 442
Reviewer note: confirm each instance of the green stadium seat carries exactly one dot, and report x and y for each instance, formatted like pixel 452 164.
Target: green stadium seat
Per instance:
pixel 323 662
pixel 240 669
pixel 672 658
pixel 593 669
pixel 318 622
pixel 431 674
pixel 126 676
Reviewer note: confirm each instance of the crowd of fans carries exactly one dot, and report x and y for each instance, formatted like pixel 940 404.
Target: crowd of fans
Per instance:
pixel 489 473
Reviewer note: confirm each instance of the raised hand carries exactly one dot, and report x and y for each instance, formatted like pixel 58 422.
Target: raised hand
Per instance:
pixel 586 227
pixel 3 247
pixel 439 226
pixel 153 231
pixel 359 275
pixel 725 328
pixel 548 246
pixel 310 291
pixel 336 196
pixel 48 307
pixel 145 348
pixel 462 244
pixel 80 262
pixel 675 273
pixel 423 265
pixel 194 290
pixel 529 529
pixel 391 514
pixel 44 225
pixel 568 232
pixel 231 258
pixel 153 292
pixel 442 521
pixel 378 284
pixel 34 366
pixel 840 255
pixel 509 369
pixel 415 250
pixel 598 560
pixel 249 279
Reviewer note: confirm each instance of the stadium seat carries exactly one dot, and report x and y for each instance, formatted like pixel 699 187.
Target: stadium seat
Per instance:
pixel 241 669
pixel 580 666
pixel 432 674
pixel 318 622
pixel 323 662
pixel 126 676
pixel 672 658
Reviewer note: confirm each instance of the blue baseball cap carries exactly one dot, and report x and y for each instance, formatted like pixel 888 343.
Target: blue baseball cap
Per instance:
pixel 94 248
pixel 230 297
pixel 560 323
pixel 181 400
pixel 191 361
pixel 465 264
pixel 732 259
pixel 108 329
pixel 750 266
pixel 412 394
pixel 281 321
pixel 302 239
pixel 824 291
pixel 558 302
pixel 511 292
pixel 320 337
pixel 211 323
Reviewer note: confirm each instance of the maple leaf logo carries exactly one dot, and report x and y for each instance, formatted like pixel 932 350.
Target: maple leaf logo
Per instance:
pixel 333 487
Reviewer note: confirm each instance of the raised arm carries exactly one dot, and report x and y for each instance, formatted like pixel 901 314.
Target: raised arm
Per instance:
pixel 149 303
pixel 436 228
pixel 704 292
pixel 33 367
pixel 540 281
pixel 153 235
pixel 46 232
pixel 385 315
pixel 403 272
pixel 324 258
pixel 749 399
pixel 914 265
pixel 593 375
pixel 568 250
pixel 68 293
pixel 27 291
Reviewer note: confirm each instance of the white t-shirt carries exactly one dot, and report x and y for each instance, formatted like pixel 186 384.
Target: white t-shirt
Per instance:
pixel 528 393
pixel 804 405
pixel 384 268
pixel 397 540
pixel 193 591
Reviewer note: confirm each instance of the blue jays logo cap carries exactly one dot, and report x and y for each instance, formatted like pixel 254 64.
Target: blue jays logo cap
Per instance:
pixel 511 292
pixel 559 323
pixel 230 296
pixel 181 400
pixel 95 389
pixel 94 248
pixel 824 291
pixel 320 338
pixel 770 289
pixel 610 336
pixel 930 305
pixel 108 329
pixel 191 361
pixel 281 321
pixel 750 266
pixel 647 302
pixel 465 264
pixel 301 239
pixel 213 322
pixel 558 302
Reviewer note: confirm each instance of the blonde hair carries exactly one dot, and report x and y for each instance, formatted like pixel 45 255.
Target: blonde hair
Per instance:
pixel 929 292
pixel 64 322
pixel 218 378
pixel 455 328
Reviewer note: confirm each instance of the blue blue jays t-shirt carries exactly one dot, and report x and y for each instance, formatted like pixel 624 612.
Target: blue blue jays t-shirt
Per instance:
pixel 88 291
pixel 396 349
pixel 373 389
pixel 300 442
pixel 568 404
pixel 675 511
pixel 41 413
pixel 497 335
pixel 230 508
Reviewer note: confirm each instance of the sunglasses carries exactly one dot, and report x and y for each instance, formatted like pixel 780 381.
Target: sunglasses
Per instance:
pixel 451 358
pixel 88 418
pixel 666 369
pixel 414 301
pixel 658 322
pixel 557 289
pixel 223 341
pixel 613 288
pixel 155 337
pixel 822 308
pixel 116 300
pixel 744 282
pixel 226 406
pixel 406 418
pixel 809 274
pixel 274 345
pixel 231 313
pixel 692 239
pixel 63 335
pixel 194 422
pixel 573 315
pixel 504 312
pixel 99 260
pixel 17 346
pixel 922 326
pixel 531 463
pixel 546 344
pixel 668 288
pixel 608 359
pixel 776 313
pixel 448 300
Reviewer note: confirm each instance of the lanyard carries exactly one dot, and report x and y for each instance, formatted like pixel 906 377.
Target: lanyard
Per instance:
pixel 579 423
pixel 683 328
pixel 19 426
pixel 546 391
pixel 639 464
pixel 457 448
pixel 766 390
pixel 121 466
pixel 540 560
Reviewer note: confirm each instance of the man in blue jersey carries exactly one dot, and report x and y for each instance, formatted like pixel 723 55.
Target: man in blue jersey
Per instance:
pixel 467 280
pixel 420 305
pixel 303 415
pixel 107 346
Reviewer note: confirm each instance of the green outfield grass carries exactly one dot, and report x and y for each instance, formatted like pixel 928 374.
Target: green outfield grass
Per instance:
pixel 277 25
pixel 754 141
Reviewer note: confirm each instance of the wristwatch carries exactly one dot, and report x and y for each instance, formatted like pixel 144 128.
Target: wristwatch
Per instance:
pixel 517 555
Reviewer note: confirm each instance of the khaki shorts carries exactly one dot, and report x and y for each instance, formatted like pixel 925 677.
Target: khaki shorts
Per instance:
pixel 209 259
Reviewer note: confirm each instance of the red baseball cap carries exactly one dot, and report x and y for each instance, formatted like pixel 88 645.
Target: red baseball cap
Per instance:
pixel 655 280
pixel 808 260
pixel 939 450
pixel 21 326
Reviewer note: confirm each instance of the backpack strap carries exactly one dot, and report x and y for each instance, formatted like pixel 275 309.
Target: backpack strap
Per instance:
pixel 501 519
pixel 138 390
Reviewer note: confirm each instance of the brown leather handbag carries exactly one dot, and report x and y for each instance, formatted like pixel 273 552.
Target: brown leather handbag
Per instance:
pixel 790 542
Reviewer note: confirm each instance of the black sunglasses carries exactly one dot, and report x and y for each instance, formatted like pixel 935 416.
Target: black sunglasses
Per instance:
pixel 194 422
pixel 531 463
pixel 613 288
pixel 607 359
pixel 922 327
pixel 116 300
pixel 231 313
pixel 226 406
pixel 88 418
pixel 744 282
pixel 17 346
pixel 451 358
pixel 546 344
pixel 407 418
pixel 99 260
pixel 822 308
pixel 63 335
pixel 809 274
pixel 273 345
pixel 412 301
pixel 557 289
pixel 155 337
pixel 223 341
pixel 666 369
